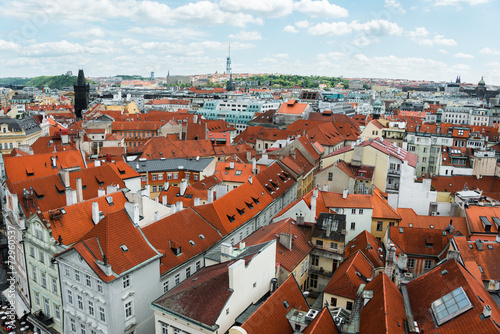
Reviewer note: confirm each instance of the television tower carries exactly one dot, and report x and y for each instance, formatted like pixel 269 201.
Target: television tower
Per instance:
pixel 229 84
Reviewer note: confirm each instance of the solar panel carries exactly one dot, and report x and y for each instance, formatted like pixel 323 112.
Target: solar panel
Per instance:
pixel 450 305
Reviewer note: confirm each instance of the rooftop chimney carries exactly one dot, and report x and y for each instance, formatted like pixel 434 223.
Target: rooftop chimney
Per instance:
pixel 183 187
pixel 65 177
pixel 231 165
pixel 286 240
pixel 79 190
pixel 166 185
pixel 157 216
pixel 250 180
pixel 210 195
pixel 70 196
pixel 111 189
pixel 133 212
pixel 95 212
pixel 101 192
pixel 345 193
pixel 172 209
pixel 164 200
pixel 196 201
pixel 487 311
pixel 179 206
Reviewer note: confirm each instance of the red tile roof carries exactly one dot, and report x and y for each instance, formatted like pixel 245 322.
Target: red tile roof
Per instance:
pixel 270 317
pixel 488 184
pixel 408 216
pixel 107 237
pixel 369 245
pixel 385 312
pixel 382 209
pixel 419 241
pixel 438 282
pixel 292 107
pixel 29 167
pixel 50 144
pixel 275 180
pixel 487 256
pixel 349 276
pixel 335 200
pixel 77 219
pixel 239 173
pixel 253 133
pixel 123 170
pixel 287 258
pixel 322 324
pixel 473 214
pixel 161 147
pixel 179 229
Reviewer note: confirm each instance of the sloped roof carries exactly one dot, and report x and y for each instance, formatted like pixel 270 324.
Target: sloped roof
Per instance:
pixel 382 209
pixel 275 180
pixel 369 245
pixel 419 241
pixel 488 184
pixel 178 229
pixel 239 173
pixel 77 219
pixel 28 167
pixel 474 213
pixel 336 200
pixel 210 285
pixel 408 216
pixel 270 317
pixel 162 147
pixel 385 312
pixel 107 237
pixel 322 324
pixel 50 144
pixel 354 271
pixel 292 107
pixel 287 258
pixel 487 255
pixel 438 282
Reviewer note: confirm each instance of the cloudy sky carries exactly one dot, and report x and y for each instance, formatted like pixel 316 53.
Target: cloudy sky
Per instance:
pixel 419 39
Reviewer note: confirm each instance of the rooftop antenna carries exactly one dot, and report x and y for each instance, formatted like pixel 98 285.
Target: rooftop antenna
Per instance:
pixel 229 85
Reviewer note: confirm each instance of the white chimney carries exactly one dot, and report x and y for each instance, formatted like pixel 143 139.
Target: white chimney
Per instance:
pixel 166 185
pixel 157 216
pixel 95 212
pixel 345 193
pixel 183 187
pixel 179 206
pixel 196 201
pixel 487 311
pixel 231 165
pixel 145 192
pixel 286 240
pixel 97 163
pixel 172 209
pixel 210 195
pixel 133 212
pixel 312 216
pixel 101 192
pixel 164 200
pixel 53 162
pixel 250 180
pixel 226 249
pixel 111 189
pixel 79 190
pixel 65 177
pixel 70 196
pixel 195 118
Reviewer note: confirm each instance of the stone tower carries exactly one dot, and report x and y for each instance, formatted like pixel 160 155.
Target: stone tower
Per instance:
pixel 82 93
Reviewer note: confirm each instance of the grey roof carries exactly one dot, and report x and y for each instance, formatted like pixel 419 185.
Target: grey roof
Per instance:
pixel 161 165
pixel 29 125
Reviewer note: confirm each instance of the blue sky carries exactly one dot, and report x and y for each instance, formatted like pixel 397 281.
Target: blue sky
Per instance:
pixel 421 39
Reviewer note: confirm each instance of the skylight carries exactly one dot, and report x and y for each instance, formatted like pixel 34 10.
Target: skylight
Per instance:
pixel 450 305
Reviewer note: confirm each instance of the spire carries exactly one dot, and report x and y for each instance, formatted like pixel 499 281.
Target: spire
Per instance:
pixel 81 78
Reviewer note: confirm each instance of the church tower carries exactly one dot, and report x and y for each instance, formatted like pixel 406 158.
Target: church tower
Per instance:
pixel 82 93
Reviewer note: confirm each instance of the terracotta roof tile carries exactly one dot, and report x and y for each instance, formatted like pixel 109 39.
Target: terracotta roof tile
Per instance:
pixel 335 200
pixel 408 216
pixel 322 324
pixel 369 245
pixel 419 241
pixel 270 317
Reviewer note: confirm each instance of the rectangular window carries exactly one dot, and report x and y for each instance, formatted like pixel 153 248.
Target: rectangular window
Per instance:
pixel 91 307
pixel 42 257
pixel 126 281
pixel 32 252
pixel 70 296
pixel 37 298
pixel 57 311
pixel 348 306
pixel 77 276
pixel 44 279
pixel 314 260
pixel 82 329
pixel 188 272
pixel 165 286
pixel 80 302
pixel 153 177
pixel 334 245
pixel 198 265
pixel 88 281
pixel 353 226
pixel 360 211
pixel 99 286
pixel 176 176
pixel 66 272
pixel 380 225
pixel 128 310
pixel 73 325
pixel 169 176
pixel 411 263
pixel 46 306
pixel 353 211
pixel 427 264
pixel 102 315
pixel 177 279
pixel 319 242
pixel 195 177
pixel 330 176
pixel 155 189
pixel 54 285
pixel 333 301
pixel 33 272
pixel 160 177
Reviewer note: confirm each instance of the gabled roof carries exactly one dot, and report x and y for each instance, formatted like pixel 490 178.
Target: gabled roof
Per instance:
pixel 239 173
pixel 178 230
pixel 210 285
pixel 161 147
pixel 29 167
pixel 488 184
pixel 123 170
pixel 369 245
pixel 419 241
pixel 270 317
pixel 408 216
pixel 322 324
pixel 385 311
pixel 354 271
pixel 292 107
pixel 74 221
pixel 46 145
pixel 275 180
pixel 336 200
pixel 481 259
pixel 440 281
pixel 207 183
pixel 381 208
pixel 108 238
pixel 287 258
pixel 474 214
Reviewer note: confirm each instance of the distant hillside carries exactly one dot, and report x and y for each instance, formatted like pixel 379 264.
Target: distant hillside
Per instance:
pixel 58 81
pixel 14 81
pixel 131 77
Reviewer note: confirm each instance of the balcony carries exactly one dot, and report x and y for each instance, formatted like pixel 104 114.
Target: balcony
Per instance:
pixel 393 187
pixel 394 172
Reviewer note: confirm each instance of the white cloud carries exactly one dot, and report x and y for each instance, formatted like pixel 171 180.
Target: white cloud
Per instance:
pixel 488 51
pixel 275 8
pixel 459 2
pixel 52 49
pixel 274 59
pixel 321 8
pixel 302 24
pixel 443 51
pixel 172 33
pixel 290 29
pixel 247 36
pixel 8 46
pixel 463 55
pixel 364 41
pixel 419 36
pixel 89 34
pixel 393 4
pixel 373 27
